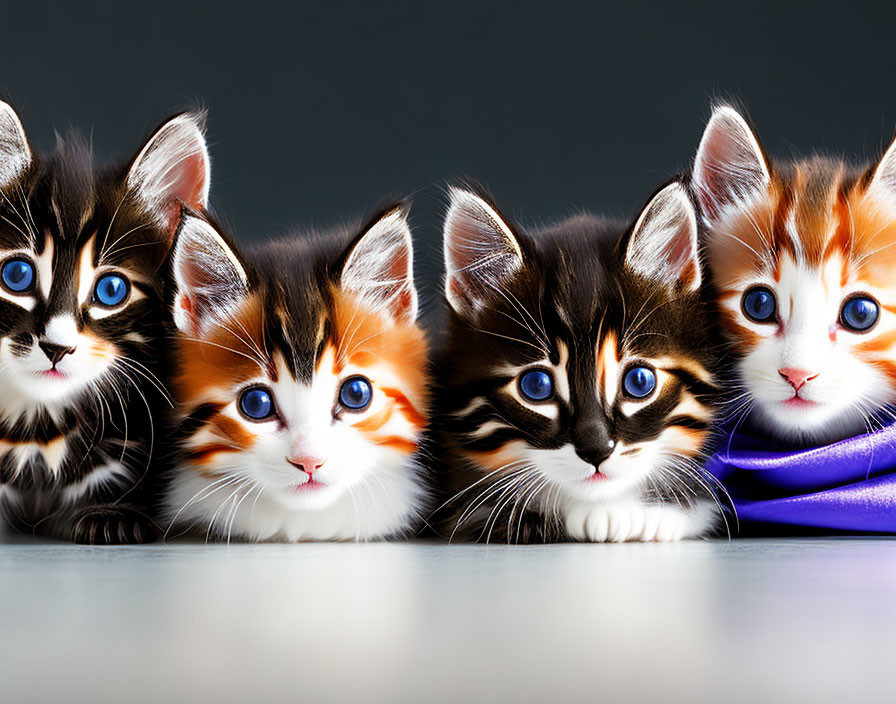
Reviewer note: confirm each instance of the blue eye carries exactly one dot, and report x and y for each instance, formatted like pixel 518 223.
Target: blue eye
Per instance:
pixel 759 304
pixel 537 385
pixel 18 275
pixel 111 290
pixel 256 403
pixel 859 313
pixel 355 393
pixel 639 382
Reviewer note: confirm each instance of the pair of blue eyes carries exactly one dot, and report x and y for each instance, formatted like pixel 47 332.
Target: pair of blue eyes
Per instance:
pixel 537 385
pixel 257 402
pixel 858 313
pixel 18 276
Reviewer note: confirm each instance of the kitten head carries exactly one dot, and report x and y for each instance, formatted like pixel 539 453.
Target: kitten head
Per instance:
pixel 79 254
pixel 301 370
pixel 802 256
pixel 576 362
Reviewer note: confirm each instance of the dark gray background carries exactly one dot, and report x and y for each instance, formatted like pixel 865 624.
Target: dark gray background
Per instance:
pixel 320 111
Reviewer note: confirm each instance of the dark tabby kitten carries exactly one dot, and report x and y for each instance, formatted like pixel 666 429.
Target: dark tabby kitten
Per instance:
pixel 81 321
pixel 575 389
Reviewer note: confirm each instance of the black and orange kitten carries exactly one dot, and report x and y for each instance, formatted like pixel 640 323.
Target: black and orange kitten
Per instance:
pixel 81 325
pixel 575 390
pixel 300 385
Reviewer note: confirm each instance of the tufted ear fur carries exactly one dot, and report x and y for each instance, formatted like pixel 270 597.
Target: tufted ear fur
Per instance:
pixel 172 169
pixel 379 268
pixel 481 252
pixel 209 278
pixel 15 154
pixel 729 167
pixel 883 183
pixel 663 245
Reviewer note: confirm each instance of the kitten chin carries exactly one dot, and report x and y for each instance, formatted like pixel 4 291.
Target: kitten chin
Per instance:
pixel 825 428
pixel 575 390
pixel 300 384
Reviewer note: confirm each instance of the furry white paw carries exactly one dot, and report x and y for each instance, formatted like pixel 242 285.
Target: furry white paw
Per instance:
pixel 633 521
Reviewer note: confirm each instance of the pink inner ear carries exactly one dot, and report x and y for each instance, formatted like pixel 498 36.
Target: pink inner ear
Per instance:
pixel 402 300
pixel 187 188
pixel 680 256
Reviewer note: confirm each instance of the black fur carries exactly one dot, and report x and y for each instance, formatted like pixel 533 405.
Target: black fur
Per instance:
pixel 574 288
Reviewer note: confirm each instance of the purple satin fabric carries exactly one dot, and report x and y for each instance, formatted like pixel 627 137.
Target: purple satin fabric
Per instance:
pixel 848 485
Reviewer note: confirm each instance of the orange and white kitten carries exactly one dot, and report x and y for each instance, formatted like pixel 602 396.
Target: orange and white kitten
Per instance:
pixel 803 255
pixel 301 385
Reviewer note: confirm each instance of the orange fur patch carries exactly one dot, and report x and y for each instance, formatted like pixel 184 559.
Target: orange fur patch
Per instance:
pixel 367 339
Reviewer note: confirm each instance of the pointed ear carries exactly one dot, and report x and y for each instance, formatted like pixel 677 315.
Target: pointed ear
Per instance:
pixel 15 154
pixel 173 168
pixel 729 166
pixel 379 267
pixel 663 244
pixel 883 183
pixel 481 252
pixel 209 278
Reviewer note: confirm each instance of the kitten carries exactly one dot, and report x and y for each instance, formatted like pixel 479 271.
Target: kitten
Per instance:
pixel 81 325
pixel 802 254
pixel 301 385
pixel 575 389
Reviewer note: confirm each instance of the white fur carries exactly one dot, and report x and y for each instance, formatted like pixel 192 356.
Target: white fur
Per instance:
pixel 24 385
pixel 729 169
pixel 481 252
pixel 369 272
pixel 845 389
pixel 883 183
pixel 99 478
pixel 564 486
pixel 369 491
pixel 156 175
pixel 627 520
pixel 15 154
pixel 200 246
pixel 664 240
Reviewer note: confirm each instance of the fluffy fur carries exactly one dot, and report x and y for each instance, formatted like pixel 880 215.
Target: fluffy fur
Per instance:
pixel 79 379
pixel 816 233
pixel 298 318
pixel 584 301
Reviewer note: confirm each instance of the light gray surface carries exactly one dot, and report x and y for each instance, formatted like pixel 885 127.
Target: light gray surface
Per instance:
pixel 748 621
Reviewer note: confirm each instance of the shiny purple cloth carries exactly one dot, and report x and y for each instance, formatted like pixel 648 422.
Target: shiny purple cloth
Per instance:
pixel 848 485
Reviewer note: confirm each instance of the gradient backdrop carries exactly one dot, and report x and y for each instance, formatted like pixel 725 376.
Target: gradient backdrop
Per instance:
pixel 319 111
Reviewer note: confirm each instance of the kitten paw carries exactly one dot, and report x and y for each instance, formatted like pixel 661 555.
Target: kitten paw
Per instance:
pixel 619 523
pixel 113 525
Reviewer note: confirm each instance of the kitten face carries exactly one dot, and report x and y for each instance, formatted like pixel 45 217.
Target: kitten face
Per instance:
pixel 82 322
pixel 79 253
pixel 802 258
pixel 302 376
pixel 574 369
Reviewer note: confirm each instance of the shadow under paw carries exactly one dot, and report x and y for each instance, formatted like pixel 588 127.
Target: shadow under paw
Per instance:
pixel 113 525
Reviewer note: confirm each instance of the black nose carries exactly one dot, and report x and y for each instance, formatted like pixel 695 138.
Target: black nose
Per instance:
pixel 592 438
pixel 595 455
pixel 55 352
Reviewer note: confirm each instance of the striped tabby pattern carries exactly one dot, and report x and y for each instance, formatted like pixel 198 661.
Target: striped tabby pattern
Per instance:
pixel 82 321
pixel 597 310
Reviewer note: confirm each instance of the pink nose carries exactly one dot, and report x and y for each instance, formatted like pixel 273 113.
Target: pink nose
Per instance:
pixel 797 378
pixel 307 463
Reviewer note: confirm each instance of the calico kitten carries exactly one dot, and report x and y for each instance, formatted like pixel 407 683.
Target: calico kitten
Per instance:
pixel 803 256
pixel 575 389
pixel 81 320
pixel 301 385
